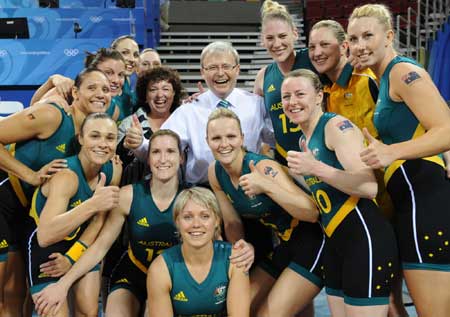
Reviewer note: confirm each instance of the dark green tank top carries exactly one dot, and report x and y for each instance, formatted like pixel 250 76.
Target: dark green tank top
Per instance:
pixel 192 299
pixel 126 102
pixel 394 120
pixel 261 207
pixel 151 230
pixel 36 153
pixel 286 132
pixel 83 193
pixel 333 204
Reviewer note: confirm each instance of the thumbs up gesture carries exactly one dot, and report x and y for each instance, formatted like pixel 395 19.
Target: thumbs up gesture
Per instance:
pixel 253 183
pixel 302 163
pixel 134 135
pixel 377 154
pixel 105 198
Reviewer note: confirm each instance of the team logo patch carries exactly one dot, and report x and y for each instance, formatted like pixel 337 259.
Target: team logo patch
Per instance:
pixel 271 88
pixel 348 95
pixel 75 203
pixel 220 294
pixel 180 297
pixel 43 275
pixel 3 53
pixel 122 280
pixel 143 222
pixel 61 148
pixel 3 244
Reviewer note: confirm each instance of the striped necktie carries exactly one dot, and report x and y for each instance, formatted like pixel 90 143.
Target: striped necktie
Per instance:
pixel 223 104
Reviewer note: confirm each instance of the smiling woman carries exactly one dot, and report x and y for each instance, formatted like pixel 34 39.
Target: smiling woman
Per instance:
pixel 147 208
pixel 47 129
pixel 196 277
pixel 413 123
pixel 159 91
pixel 343 189
pixel 251 186
pixel 279 36
pixel 63 206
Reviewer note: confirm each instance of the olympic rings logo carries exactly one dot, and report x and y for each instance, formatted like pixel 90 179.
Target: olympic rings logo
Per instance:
pixel 3 53
pixel 71 52
pixel 39 19
pixel 96 19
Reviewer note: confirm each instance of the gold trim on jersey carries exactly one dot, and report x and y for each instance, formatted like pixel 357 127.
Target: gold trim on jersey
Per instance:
pixel 15 182
pixel 396 164
pixel 280 150
pixel 33 212
pixel 135 261
pixel 340 215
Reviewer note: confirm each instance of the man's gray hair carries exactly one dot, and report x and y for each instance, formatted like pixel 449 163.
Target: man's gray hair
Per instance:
pixel 219 47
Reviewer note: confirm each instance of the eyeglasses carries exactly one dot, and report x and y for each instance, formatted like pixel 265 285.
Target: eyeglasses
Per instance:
pixel 215 68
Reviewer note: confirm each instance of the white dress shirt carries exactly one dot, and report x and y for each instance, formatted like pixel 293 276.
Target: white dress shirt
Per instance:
pixel 189 122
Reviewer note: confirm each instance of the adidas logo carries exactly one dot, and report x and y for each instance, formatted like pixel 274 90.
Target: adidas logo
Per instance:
pixel 180 297
pixel 143 222
pixel 61 148
pixel 3 244
pixel 122 280
pixel 75 203
pixel 271 88
pixel 43 275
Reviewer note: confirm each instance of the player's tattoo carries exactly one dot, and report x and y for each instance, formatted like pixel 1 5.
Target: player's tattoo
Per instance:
pixel 410 77
pixel 344 125
pixel 270 171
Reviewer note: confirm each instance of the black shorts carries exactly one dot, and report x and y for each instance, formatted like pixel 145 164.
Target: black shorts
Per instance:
pixel 38 256
pixel 420 191
pixel 12 215
pixel 114 254
pixel 361 258
pixel 129 276
pixel 260 236
pixel 302 254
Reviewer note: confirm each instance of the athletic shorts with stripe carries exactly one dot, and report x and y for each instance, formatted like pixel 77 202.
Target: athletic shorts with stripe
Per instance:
pixel 361 258
pixel 302 254
pixel 38 256
pixel 420 191
pixel 12 215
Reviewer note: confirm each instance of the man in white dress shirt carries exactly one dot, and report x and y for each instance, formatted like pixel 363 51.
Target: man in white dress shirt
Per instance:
pixel 220 69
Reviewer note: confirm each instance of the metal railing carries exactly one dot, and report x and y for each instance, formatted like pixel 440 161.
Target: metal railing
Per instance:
pixel 420 24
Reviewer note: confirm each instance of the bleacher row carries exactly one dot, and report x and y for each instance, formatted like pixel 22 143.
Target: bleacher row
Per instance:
pixel 58 38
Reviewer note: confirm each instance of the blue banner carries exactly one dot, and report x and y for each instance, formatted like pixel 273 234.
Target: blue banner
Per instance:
pixel 31 62
pixel 95 23
pixel 6 4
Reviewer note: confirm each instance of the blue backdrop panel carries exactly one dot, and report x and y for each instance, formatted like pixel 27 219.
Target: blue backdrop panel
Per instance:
pixel 19 94
pixel 19 4
pixel 96 23
pixel 31 62
pixel 65 4
pixel 92 3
